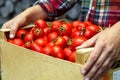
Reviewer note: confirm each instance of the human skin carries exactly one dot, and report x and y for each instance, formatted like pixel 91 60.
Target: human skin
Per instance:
pixel 30 15
pixel 106 51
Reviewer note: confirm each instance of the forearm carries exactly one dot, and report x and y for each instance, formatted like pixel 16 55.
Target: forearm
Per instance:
pixel 33 13
pixel 117 24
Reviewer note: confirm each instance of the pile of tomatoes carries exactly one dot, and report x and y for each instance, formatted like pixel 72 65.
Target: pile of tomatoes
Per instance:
pixel 58 38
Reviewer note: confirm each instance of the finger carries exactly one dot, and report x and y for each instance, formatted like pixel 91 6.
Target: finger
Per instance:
pixel 92 58
pixel 88 43
pixel 106 66
pixel 103 63
pixel 13 30
pixel 5 26
pixel 99 62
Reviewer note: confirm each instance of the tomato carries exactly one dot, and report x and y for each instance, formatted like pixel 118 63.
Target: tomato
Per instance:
pixel 77 41
pixel 76 33
pixel 47 50
pixel 67 52
pixel 72 57
pixel 60 55
pixel 56 24
pixel 60 41
pixel 18 41
pixel 10 40
pixel 82 24
pixel 46 31
pixel 21 33
pixel 41 41
pixel 88 33
pixel 28 37
pixel 75 23
pixel 66 37
pixel 38 32
pixel 57 52
pixel 31 30
pixel 28 45
pixel 36 47
pixel 40 23
pixel 50 43
pixel 94 28
pixel 65 29
pixel 52 36
pixel 88 23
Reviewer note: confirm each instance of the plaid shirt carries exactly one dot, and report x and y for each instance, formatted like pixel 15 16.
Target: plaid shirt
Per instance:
pixel 100 12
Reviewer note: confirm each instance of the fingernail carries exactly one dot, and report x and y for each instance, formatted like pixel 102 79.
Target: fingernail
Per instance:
pixel 87 79
pixel 12 35
pixel 83 71
pixel 81 46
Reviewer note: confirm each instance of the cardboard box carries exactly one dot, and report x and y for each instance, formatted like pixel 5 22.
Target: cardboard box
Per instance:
pixel 18 63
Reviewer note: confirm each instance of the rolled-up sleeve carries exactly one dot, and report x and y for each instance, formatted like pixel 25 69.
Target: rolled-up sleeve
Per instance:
pixel 56 8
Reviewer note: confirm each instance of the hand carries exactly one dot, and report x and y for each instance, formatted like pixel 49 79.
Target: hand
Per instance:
pixel 30 15
pixel 14 24
pixel 106 51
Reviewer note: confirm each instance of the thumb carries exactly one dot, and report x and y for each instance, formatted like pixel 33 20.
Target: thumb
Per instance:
pixel 13 30
pixel 88 43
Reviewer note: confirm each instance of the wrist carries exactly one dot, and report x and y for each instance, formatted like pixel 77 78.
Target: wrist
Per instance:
pixel 33 13
pixel 117 25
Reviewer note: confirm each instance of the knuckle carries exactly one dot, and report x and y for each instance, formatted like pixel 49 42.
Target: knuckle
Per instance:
pixel 104 67
pixel 110 49
pixel 103 44
pixel 4 25
pixel 98 64
pixel 94 57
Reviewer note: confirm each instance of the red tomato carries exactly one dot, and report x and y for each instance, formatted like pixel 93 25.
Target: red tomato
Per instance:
pixel 82 24
pixel 47 30
pixel 28 45
pixel 60 41
pixel 40 23
pixel 75 23
pixel 56 25
pixel 21 33
pixel 38 32
pixel 77 41
pixel 47 50
pixel 50 44
pixel 31 30
pixel 28 37
pixel 52 36
pixel 94 28
pixel 10 40
pixel 88 33
pixel 18 41
pixel 41 42
pixel 65 29
pixel 36 47
pixel 57 52
pixel 67 52
pixel 60 55
pixel 72 57
pixel 66 37
pixel 88 23
pixel 57 22
pixel 76 33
